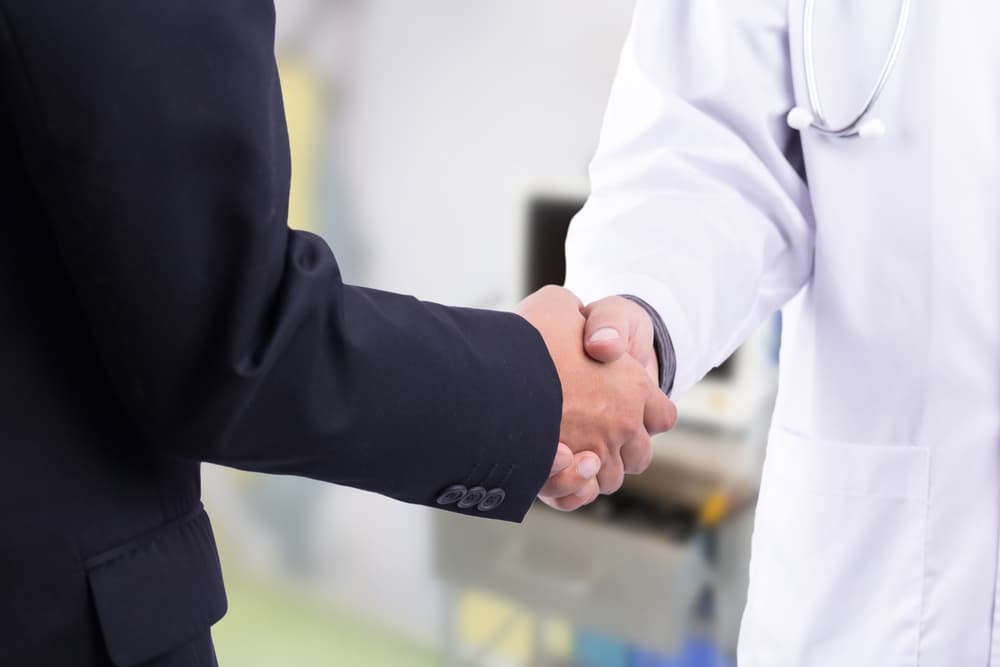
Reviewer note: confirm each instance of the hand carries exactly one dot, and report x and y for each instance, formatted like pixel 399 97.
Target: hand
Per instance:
pixel 616 326
pixel 608 409
pixel 572 482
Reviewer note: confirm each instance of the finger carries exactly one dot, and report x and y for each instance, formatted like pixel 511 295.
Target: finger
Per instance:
pixel 606 332
pixel 563 460
pixel 575 477
pixel 561 295
pixel 660 413
pixel 585 496
pixel 541 306
pixel 637 454
pixel 615 326
pixel 612 474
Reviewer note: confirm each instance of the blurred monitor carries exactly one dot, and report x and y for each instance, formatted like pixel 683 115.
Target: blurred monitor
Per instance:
pixel 548 223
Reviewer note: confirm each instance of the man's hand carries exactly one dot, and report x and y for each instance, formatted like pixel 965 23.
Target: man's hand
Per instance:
pixel 573 482
pixel 609 409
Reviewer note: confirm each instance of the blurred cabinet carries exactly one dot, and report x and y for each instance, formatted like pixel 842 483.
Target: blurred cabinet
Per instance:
pixel 658 563
pixel 628 583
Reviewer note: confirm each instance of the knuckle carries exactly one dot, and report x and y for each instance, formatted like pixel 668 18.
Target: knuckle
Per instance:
pixel 640 458
pixel 668 418
pixel 629 422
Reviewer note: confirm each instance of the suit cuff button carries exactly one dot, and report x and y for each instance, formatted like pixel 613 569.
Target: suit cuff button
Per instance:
pixel 453 494
pixel 492 500
pixel 472 498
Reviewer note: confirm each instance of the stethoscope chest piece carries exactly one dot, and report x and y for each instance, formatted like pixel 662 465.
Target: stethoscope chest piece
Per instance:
pixel 800 118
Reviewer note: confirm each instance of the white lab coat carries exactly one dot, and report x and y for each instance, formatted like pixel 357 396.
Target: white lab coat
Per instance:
pixel 876 539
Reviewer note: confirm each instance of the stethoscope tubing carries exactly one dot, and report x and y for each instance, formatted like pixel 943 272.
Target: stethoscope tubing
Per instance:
pixel 852 128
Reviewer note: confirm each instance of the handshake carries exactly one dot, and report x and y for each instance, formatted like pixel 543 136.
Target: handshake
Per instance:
pixel 612 401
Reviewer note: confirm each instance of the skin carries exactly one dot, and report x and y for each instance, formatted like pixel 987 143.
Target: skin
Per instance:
pixel 617 326
pixel 611 403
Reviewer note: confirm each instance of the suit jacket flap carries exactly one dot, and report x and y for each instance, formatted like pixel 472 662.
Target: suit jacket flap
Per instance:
pixel 158 591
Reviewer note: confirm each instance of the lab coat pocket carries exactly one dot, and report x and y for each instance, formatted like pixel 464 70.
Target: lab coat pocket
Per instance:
pixel 837 568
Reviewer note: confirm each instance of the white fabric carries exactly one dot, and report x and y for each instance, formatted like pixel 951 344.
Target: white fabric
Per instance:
pixel 876 541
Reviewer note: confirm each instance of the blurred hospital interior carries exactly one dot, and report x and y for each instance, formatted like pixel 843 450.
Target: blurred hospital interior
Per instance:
pixel 441 147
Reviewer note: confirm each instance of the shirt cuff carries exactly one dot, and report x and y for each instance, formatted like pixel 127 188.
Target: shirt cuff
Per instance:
pixel 662 344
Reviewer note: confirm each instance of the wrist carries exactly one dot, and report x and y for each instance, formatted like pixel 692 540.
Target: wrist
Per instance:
pixel 662 345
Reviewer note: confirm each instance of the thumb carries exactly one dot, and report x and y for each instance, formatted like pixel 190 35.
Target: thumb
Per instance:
pixel 563 460
pixel 605 335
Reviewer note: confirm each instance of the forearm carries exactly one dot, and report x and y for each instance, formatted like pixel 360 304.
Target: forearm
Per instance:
pixel 155 137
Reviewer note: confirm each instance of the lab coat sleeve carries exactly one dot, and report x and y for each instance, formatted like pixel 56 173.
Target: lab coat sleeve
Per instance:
pixel 695 206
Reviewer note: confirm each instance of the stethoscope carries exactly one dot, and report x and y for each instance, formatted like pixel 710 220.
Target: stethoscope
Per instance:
pixel 862 125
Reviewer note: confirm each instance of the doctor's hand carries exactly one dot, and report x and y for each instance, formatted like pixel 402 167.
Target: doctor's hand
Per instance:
pixel 609 409
pixel 616 326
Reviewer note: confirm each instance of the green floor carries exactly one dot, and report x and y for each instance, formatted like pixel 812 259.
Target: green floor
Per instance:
pixel 267 626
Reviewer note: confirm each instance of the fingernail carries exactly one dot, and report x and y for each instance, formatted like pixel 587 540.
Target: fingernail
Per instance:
pixel 589 467
pixel 607 333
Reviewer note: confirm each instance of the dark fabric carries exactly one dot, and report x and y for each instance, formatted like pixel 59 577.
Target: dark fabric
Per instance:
pixel 156 311
pixel 175 572
pixel 199 652
pixel 665 356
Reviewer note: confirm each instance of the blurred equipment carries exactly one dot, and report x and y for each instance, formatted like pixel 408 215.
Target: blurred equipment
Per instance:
pixel 585 569
pixel 653 576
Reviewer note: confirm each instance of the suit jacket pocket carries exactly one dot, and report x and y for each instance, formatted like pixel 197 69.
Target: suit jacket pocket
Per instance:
pixel 158 591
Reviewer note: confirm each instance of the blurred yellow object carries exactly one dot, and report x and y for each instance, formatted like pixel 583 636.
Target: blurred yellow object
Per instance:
pixel 718 401
pixel 559 639
pixel 305 110
pixel 483 617
pixel 714 509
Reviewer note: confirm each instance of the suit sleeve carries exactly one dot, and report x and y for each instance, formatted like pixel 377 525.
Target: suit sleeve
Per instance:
pixel 155 136
pixel 697 206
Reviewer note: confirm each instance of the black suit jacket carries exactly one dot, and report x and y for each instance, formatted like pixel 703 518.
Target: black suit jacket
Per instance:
pixel 156 312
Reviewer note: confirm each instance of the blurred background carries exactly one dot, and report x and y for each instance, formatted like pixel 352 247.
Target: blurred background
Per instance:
pixel 441 147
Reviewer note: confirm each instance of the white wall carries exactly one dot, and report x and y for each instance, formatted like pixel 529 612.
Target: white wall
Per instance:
pixel 456 109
